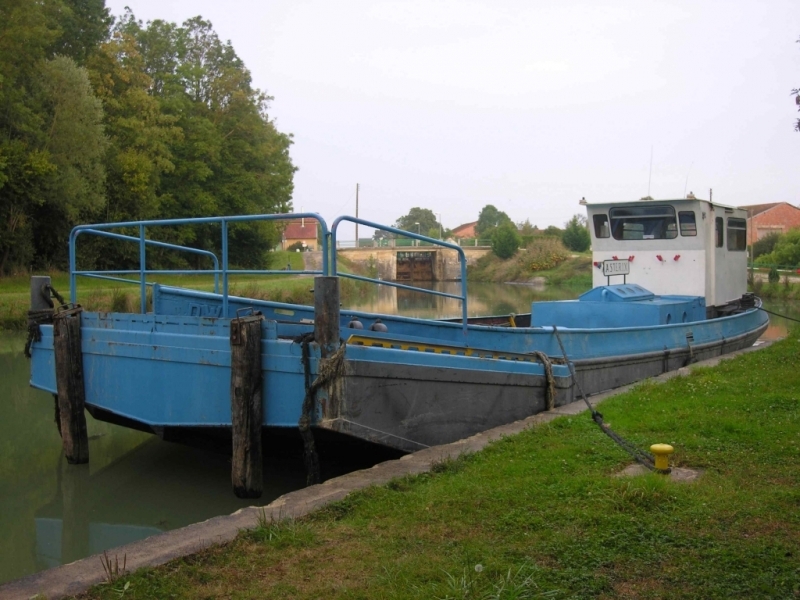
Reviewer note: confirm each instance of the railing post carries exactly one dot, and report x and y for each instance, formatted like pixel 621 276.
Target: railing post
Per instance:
pixel 142 269
pixel 73 242
pixel 224 268
pixel 326 249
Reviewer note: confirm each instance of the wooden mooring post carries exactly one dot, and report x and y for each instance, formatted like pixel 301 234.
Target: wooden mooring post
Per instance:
pixel 69 384
pixel 326 314
pixel 246 408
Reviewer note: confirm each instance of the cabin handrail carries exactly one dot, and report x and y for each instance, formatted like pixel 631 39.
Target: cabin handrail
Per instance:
pixel 224 270
pixel 433 242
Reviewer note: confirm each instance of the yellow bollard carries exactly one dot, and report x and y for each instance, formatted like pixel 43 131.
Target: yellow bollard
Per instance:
pixel 662 452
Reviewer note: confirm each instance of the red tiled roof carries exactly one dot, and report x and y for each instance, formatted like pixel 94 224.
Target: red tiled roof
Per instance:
pixel 465 230
pixel 757 209
pixel 296 231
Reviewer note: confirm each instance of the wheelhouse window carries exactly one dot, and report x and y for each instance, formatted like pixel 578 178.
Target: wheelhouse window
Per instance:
pixel 601 229
pixel 643 223
pixel 720 231
pixel 737 234
pixel 687 223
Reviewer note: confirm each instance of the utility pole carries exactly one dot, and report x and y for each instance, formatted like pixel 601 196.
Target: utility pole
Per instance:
pixel 356 215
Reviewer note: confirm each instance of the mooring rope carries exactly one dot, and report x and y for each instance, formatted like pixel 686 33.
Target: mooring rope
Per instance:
pixel 52 294
pixel 35 318
pixel 42 316
pixel 643 458
pixel 548 372
pixel 779 315
pixel 329 370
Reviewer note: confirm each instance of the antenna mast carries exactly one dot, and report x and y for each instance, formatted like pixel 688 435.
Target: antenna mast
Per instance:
pixel 685 185
pixel 356 215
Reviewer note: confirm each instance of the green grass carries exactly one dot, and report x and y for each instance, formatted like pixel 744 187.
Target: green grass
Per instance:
pixel 544 515
pixel 574 272
pixel 782 290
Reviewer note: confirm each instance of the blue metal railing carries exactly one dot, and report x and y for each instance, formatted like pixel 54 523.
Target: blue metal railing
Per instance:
pixel 130 238
pixel 100 229
pixel 431 241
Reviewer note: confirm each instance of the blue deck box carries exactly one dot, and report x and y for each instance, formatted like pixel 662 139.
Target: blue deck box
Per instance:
pixel 624 305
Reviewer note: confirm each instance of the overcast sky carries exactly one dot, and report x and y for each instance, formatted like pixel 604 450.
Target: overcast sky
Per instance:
pixel 525 105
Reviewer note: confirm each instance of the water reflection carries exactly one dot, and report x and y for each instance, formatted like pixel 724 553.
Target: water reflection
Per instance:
pixel 483 299
pixel 135 485
pixel 778 325
pixel 155 487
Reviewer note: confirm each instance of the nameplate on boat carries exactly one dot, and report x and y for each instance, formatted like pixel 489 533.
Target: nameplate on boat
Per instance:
pixel 616 267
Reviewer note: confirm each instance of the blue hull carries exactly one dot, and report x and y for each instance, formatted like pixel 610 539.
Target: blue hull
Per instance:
pixel 419 383
pixel 159 373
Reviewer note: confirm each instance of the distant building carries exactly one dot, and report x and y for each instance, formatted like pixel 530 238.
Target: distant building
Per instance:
pixel 776 217
pixel 301 230
pixel 467 230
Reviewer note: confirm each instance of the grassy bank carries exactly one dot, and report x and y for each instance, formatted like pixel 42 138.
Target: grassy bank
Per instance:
pixel 785 289
pixel 102 295
pixel 543 514
pixel 575 271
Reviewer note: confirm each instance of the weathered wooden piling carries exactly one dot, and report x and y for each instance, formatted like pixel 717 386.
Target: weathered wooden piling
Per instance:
pixel 326 314
pixel 246 408
pixel 69 384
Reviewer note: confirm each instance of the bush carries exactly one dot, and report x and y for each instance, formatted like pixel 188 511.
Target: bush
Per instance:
pixel 546 253
pixel 576 236
pixel 505 240
pixel 296 246
pixel 765 245
pixel 786 251
pixel 554 231
pixel 774 276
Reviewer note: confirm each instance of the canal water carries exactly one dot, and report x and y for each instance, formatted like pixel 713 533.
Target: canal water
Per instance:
pixel 135 485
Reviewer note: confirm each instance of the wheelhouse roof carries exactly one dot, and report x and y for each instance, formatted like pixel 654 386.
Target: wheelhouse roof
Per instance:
pixel 662 201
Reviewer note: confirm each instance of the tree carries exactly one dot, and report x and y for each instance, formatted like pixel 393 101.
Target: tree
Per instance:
pixel 765 245
pixel 786 252
pixel 229 157
pixel 796 94
pixel 526 228
pixel 157 120
pixel 576 235
pixel 489 218
pixel 84 26
pixel 553 231
pixel 419 220
pixel 505 240
pixel 75 144
pixel 27 30
pixel 51 137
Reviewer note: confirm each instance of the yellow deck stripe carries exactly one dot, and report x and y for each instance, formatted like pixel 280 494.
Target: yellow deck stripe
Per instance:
pixel 361 340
